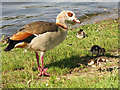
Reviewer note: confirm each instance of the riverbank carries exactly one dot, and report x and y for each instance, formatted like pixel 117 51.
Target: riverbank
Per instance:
pixel 94 18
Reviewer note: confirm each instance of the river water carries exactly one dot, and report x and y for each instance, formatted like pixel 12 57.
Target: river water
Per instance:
pixel 17 14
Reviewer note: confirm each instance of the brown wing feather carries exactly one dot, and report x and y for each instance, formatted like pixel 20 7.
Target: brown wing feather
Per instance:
pixel 20 36
pixel 39 27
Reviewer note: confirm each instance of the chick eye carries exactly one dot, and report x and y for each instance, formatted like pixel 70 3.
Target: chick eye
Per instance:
pixel 70 14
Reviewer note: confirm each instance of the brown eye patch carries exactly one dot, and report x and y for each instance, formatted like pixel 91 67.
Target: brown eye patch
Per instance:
pixel 70 14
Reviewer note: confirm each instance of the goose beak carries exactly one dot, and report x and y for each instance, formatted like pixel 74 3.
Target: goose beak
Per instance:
pixel 76 20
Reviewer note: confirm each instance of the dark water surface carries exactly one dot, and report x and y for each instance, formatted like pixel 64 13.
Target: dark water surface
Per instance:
pixel 17 14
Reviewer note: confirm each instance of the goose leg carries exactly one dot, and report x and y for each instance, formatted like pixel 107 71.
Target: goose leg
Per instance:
pixel 42 71
pixel 37 57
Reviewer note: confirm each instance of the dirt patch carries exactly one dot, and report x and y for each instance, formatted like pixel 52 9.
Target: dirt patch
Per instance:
pixel 111 66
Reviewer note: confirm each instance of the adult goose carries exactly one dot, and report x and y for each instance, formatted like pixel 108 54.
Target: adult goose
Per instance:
pixel 41 36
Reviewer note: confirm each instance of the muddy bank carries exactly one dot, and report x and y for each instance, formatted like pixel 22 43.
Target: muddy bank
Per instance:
pixel 91 19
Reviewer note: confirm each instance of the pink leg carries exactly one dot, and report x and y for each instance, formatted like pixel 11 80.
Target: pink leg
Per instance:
pixel 37 56
pixel 42 72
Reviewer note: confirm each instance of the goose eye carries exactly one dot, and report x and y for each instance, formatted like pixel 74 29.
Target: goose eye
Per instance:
pixel 70 14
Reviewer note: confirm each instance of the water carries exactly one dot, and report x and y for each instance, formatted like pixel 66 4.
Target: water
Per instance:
pixel 17 14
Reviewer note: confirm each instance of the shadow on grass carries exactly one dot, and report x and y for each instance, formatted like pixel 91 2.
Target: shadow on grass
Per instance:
pixel 109 69
pixel 71 62
pixel 75 61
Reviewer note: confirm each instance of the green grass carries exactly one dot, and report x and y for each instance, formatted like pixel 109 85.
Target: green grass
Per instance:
pixel 19 68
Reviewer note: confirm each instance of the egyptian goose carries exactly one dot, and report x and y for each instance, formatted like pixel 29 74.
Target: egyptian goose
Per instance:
pixel 81 34
pixel 97 50
pixel 41 36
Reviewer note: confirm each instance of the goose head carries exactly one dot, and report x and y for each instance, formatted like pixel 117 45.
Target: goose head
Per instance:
pixel 66 15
